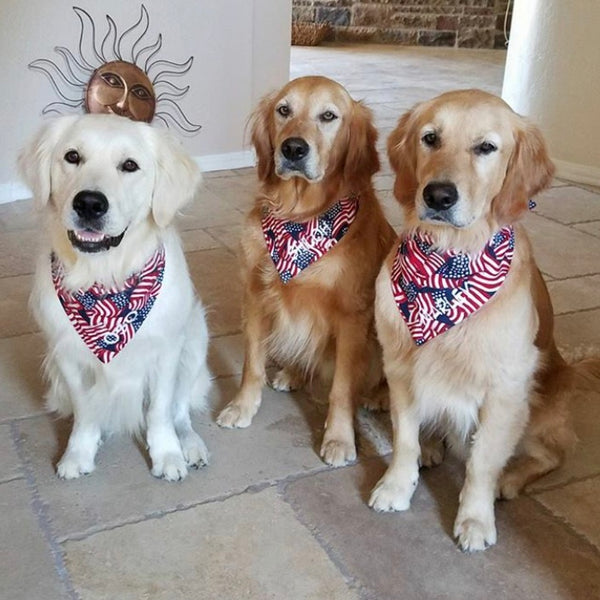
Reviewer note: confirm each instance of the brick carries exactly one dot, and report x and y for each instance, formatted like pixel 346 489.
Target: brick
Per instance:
pixel 437 38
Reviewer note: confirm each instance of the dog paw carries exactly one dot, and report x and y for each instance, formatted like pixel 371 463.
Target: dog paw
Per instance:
pixel 72 466
pixel 338 453
pixel 432 452
pixel 392 495
pixel 474 534
pixel 284 381
pixel 235 416
pixel 509 486
pixel 194 450
pixel 376 403
pixel 170 467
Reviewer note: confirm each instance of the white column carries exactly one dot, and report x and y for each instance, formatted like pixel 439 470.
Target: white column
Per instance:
pixel 553 76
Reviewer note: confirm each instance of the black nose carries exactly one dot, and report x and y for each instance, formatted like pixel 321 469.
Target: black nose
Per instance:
pixel 90 205
pixel 440 195
pixel 294 148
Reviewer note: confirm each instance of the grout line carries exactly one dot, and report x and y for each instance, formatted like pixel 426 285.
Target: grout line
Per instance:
pixel 40 511
pixel 10 420
pixel 572 277
pixel 159 514
pixel 11 479
pixel 575 312
pixel 567 525
pixel 567 482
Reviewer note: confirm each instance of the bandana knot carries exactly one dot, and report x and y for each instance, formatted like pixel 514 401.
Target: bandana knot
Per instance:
pixel 295 246
pixel 435 290
pixel 106 319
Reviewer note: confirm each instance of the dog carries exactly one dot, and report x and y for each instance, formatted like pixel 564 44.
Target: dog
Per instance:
pixel 462 311
pixel 127 337
pixel 311 249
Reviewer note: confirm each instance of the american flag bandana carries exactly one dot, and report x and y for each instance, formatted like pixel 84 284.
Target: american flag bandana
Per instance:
pixel 295 246
pixel 436 290
pixel 106 319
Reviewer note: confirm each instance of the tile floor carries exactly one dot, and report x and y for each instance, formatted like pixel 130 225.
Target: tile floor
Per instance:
pixel 267 519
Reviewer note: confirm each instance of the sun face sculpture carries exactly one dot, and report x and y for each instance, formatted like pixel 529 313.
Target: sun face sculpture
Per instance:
pixel 120 75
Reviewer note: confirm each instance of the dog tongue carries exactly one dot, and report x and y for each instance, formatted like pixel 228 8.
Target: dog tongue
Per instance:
pixel 89 236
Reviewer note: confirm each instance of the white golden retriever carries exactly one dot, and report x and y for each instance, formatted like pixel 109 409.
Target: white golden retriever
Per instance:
pixel 127 338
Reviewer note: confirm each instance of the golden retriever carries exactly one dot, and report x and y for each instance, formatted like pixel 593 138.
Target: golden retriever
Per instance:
pixel 316 155
pixel 127 338
pixel 467 341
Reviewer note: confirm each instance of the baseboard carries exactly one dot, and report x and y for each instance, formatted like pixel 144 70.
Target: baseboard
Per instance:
pixel 221 162
pixel 14 190
pixel 577 173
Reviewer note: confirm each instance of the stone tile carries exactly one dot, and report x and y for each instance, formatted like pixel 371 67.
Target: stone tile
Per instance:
pixel 411 555
pixel 216 276
pixel 569 204
pixel 561 251
pixel 27 569
pixel 237 192
pixel 22 390
pixel 584 460
pixel 228 236
pixel 593 227
pixel 209 210
pixel 15 316
pixel 10 464
pixel 580 293
pixel 282 441
pixel 578 330
pixel 19 216
pixel 18 252
pixel 578 505
pixel 197 239
pixel 248 546
pixel 226 355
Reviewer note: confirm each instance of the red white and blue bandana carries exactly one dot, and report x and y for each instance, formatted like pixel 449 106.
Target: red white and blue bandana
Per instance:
pixel 106 319
pixel 436 290
pixel 294 246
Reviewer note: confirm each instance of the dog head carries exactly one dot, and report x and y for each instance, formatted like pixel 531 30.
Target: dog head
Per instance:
pixel 101 176
pixel 464 157
pixel 312 129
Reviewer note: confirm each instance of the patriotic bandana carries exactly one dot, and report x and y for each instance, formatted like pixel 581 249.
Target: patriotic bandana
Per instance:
pixel 295 246
pixel 107 318
pixel 436 290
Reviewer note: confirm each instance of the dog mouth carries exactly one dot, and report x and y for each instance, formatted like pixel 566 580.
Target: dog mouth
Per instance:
pixel 88 240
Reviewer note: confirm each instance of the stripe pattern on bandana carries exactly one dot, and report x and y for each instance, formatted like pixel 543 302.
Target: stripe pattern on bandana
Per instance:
pixel 295 246
pixel 436 290
pixel 106 319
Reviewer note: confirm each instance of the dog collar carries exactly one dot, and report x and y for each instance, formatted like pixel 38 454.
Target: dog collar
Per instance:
pixel 436 290
pixel 295 246
pixel 106 319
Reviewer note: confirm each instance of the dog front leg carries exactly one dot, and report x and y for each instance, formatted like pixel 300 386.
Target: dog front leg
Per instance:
pixel 502 420
pixel 338 447
pixel 240 411
pixel 164 446
pixel 395 489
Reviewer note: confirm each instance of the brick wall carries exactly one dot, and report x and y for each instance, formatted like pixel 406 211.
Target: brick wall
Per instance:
pixel 457 23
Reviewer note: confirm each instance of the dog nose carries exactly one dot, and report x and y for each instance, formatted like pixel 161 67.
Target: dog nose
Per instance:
pixel 90 205
pixel 294 148
pixel 440 195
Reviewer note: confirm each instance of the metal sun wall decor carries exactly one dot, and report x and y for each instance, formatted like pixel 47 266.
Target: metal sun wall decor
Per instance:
pixel 120 75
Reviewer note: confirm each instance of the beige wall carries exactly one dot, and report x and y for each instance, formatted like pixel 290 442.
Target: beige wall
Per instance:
pixel 553 75
pixel 241 50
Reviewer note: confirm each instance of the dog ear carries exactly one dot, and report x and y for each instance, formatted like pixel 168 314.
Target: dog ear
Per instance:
pixel 401 154
pixel 177 177
pixel 260 135
pixel 529 171
pixel 362 160
pixel 35 159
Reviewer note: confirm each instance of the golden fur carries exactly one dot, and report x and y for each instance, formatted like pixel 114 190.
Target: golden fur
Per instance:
pixel 496 380
pixel 324 316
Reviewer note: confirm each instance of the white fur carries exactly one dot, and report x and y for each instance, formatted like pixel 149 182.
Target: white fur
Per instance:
pixel 161 373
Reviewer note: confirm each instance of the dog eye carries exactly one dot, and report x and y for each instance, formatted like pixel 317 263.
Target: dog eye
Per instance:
pixel 328 116
pixel 129 166
pixel 485 148
pixel 431 139
pixel 284 110
pixel 72 156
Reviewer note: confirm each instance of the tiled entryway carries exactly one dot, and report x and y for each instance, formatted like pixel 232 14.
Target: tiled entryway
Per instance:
pixel 267 519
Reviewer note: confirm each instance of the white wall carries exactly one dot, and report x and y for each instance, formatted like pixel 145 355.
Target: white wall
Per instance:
pixel 240 47
pixel 553 75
